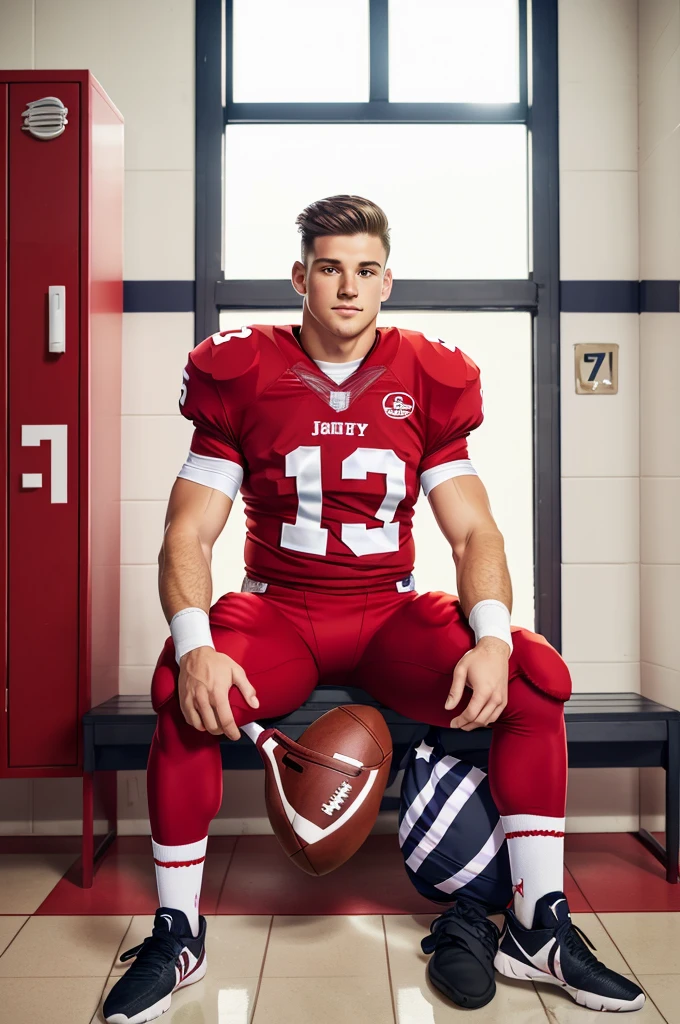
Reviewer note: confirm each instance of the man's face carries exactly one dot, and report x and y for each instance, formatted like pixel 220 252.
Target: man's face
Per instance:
pixel 344 270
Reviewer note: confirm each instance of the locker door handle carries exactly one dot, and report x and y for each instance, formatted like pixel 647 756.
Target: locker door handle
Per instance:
pixel 57 339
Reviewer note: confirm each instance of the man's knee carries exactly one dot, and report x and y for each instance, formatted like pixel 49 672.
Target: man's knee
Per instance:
pixel 538 661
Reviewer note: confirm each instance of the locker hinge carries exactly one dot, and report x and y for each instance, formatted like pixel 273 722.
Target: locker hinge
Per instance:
pixel 6 700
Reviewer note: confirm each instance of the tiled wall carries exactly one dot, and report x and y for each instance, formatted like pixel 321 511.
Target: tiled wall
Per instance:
pixel 144 56
pixel 659 113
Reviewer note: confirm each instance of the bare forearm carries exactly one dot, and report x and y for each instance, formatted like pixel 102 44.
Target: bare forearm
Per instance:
pixel 184 579
pixel 482 571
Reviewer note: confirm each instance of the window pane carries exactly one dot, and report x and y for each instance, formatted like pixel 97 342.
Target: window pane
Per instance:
pixel 501 449
pixel 455 195
pixel 454 51
pixel 300 52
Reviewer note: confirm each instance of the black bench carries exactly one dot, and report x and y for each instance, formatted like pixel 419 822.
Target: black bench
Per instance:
pixel 604 730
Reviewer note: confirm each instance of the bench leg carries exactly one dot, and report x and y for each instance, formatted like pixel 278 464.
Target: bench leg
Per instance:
pixel 89 855
pixel 673 802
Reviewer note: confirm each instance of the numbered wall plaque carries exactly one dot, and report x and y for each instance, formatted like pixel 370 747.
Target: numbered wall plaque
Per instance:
pixel 597 369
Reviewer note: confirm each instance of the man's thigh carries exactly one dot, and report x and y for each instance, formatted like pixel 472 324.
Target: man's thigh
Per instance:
pixel 408 664
pixel 250 630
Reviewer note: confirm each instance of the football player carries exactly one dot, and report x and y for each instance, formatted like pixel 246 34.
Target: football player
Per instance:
pixel 329 429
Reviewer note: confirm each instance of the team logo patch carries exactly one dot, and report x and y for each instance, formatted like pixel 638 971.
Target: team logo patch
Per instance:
pixel 398 405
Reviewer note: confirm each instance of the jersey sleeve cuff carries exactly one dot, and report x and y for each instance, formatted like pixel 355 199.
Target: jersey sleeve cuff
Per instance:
pixel 437 474
pixel 220 474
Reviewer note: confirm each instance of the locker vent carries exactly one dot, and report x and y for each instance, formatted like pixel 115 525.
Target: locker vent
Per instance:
pixel 45 118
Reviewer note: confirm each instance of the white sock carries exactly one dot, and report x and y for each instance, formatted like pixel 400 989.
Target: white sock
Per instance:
pixel 536 851
pixel 179 872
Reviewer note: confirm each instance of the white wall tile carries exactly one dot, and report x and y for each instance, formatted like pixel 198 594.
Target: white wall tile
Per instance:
pixel 660 212
pixel 600 519
pixel 159 226
pixel 659 102
pixel 653 799
pixel 659 600
pixel 143 55
pixel 143 629
pixel 660 684
pixel 599 225
pixel 659 406
pixel 660 516
pixel 615 677
pixel 656 20
pixel 600 433
pixel 603 800
pixel 598 42
pixel 598 127
pixel 600 613
pixel 142 524
pixel 16 806
pixel 58 807
pixel 135 678
pixel 16 38
pixel 155 351
pixel 154 449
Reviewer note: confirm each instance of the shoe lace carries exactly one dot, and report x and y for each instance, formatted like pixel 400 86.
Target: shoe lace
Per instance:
pixel 152 955
pixel 573 937
pixel 453 927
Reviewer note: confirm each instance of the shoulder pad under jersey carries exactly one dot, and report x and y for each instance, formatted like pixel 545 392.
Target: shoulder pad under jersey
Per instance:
pixel 445 364
pixel 226 355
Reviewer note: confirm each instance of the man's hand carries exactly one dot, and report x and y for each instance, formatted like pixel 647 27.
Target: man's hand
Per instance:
pixel 485 670
pixel 205 678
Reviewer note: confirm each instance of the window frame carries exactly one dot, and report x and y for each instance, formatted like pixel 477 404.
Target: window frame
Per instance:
pixel 538 294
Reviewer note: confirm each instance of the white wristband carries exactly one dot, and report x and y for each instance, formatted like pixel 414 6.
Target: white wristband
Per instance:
pixel 190 628
pixel 491 618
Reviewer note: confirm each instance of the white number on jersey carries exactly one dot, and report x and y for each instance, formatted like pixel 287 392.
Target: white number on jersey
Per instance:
pixel 308 536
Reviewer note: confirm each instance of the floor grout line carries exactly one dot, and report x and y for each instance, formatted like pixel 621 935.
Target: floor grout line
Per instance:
pixel 226 872
pixel 614 942
pixel 261 974
pixel 389 969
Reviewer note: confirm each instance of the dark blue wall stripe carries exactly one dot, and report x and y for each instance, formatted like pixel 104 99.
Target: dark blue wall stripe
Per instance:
pixel 659 296
pixel 599 297
pixel 158 296
pixel 575 296
pixel 620 296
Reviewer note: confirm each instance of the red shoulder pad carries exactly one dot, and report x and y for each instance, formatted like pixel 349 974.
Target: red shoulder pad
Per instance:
pixel 228 354
pixel 445 364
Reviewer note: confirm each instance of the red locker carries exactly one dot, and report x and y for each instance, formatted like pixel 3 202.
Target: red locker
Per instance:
pixel 61 297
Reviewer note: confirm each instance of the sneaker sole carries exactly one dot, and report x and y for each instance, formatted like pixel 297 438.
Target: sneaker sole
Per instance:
pixel 511 968
pixel 163 1004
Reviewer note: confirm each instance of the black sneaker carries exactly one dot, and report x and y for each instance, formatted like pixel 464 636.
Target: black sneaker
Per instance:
pixel 463 943
pixel 554 951
pixel 168 959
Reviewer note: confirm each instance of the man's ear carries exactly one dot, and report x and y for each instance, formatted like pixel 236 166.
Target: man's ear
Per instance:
pixel 387 285
pixel 299 278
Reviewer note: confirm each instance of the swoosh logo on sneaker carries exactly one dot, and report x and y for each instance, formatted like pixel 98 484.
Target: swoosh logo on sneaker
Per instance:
pixel 553 905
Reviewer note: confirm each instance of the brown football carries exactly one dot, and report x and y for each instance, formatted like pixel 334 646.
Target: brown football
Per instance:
pixel 323 791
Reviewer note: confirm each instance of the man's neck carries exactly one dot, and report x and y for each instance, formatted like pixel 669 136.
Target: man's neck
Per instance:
pixel 319 344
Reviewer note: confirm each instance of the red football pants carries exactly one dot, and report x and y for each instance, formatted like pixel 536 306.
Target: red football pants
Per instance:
pixel 401 648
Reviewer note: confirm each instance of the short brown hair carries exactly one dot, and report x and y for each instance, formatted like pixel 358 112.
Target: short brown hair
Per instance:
pixel 342 215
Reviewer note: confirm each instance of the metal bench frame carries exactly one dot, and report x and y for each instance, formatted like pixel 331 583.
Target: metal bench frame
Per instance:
pixel 604 730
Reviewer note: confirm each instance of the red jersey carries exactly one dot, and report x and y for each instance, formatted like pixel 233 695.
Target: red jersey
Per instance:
pixel 331 472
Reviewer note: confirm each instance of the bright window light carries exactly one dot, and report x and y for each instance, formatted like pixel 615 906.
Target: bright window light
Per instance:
pixel 455 195
pixel 454 51
pixel 301 51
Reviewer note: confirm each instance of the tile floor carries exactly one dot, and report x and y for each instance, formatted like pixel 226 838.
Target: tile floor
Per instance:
pixel 287 949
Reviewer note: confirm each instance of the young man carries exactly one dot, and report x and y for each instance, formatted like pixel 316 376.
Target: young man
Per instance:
pixel 329 429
